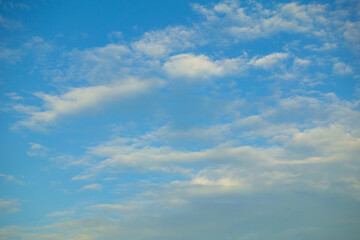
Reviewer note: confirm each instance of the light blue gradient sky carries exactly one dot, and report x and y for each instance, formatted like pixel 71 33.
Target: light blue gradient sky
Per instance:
pixel 179 120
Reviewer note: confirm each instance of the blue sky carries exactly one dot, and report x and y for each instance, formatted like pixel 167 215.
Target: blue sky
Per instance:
pixel 179 120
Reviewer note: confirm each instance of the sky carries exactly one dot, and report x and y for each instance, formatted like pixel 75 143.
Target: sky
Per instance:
pixel 183 119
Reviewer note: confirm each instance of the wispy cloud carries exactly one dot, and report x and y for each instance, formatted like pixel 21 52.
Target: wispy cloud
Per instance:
pixel 8 206
pixel 60 213
pixel 14 96
pixel 9 23
pixel 36 47
pixel 92 187
pixel 164 42
pixel 37 150
pixel 11 178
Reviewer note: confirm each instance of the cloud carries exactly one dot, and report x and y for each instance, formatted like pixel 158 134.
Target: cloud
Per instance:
pixel 352 33
pixel 268 61
pixel 255 21
pixel 13 5
pixel 10 55
pixel 310 146
pixel 203 186
pixel 89 229
pixel 163 42
pixel 77 100
pixel 92 187
pixel 11 178
pixel 114 208
pixel 97 65
pixel 60 213
pixel 8 206
pixel 211 217
pixel 14 96
pixel 341 68
pixel 83 177
pixel 35 47
pixel 9 23
pixel 37 150
pixel 324 144
pixel 287 152
pixel 325 47
pixel 299 133
pixel 139 154
pixel 190 66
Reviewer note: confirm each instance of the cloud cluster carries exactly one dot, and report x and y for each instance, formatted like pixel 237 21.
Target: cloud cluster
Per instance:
pixel 245 23
pixel 237 131
pixel 298 134
pixel 172 53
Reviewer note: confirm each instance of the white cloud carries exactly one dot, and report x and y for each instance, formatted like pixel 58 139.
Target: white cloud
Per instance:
pixel 352 33
pixel 325 47
pixel 9 206
pixel 14 5
pixel 283 143
pixel 92 187
pixel 37 150
pixel 268 61
pixel 341 68
pixel 203 186
pixel 66 161
pixel 14 96
pixel 114 208
pixel 9 23
pixel 10 55
pixel 299 131
pixel 163 42
pixel 98 65
pixel 35 47
pixel 106 53
pixel 83 177
pixel 190 66
pixel 77 100
pixel 138 154
pixel 60 213
pixel 298 62
pixel 11 178
pixel 245 23
pixel 324 144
